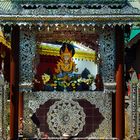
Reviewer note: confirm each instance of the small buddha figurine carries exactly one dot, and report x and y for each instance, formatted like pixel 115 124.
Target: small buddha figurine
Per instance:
pixel 66 65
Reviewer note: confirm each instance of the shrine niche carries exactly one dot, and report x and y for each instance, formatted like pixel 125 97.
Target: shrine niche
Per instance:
pixel 67 96
pixel 66 65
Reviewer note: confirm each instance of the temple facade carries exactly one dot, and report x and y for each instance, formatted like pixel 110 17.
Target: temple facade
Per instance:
pixel 64 67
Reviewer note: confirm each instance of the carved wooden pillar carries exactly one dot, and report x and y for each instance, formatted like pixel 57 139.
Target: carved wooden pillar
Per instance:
pixel 27 50
pixel 134 117
pixel 107 53
pixel 120 90
pixel 14 82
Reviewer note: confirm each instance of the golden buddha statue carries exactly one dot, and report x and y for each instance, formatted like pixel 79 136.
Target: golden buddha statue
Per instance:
pixel 66 63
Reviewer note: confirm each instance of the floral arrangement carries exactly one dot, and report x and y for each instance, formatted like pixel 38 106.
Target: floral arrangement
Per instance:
pixel 45 78
pixel 74 82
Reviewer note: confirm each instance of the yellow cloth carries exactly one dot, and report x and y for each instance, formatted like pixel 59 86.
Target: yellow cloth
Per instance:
pixel 54 51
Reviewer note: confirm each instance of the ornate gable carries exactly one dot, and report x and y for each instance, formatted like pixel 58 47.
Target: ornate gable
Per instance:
pixel 87 11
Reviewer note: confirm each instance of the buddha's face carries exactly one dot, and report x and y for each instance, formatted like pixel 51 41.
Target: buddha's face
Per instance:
pixel 66 57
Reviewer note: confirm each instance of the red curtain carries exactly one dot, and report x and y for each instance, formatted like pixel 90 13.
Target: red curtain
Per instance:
pixel 47 64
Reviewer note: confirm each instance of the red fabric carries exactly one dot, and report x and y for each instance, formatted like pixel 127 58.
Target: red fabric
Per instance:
pixel 38 83
pixel 47 64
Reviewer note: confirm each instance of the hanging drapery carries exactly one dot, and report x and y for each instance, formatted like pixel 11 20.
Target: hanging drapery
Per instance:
pixel 81 52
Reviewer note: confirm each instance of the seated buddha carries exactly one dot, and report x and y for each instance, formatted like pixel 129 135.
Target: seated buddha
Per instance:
pixel 66 65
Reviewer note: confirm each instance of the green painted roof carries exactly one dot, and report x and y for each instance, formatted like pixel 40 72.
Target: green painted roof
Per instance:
pixel 134 32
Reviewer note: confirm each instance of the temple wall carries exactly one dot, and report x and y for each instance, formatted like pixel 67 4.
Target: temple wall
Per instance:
pixel 83 114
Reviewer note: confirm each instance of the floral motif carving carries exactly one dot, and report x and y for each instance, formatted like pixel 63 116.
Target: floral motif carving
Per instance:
pixel 102 100
pixel 107 52
pixel 66 116
pixel 27 53
pixel 105 11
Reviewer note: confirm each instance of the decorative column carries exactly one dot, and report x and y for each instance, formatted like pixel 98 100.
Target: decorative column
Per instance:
pixel 27 54
pixel 14 83
pixel 107 53
pixel 120 90
pixel 134 106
